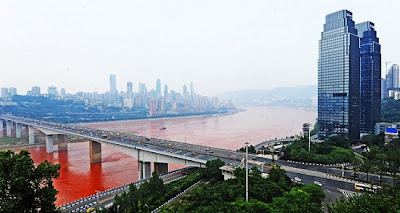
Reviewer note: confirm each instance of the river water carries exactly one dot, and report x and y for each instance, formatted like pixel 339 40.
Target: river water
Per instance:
pixel 78 178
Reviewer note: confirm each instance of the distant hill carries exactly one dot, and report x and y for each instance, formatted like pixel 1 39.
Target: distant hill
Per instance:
pixel 277 95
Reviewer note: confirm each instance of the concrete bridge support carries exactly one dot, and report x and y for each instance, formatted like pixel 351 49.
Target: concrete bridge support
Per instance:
pixel 31 133
pixel 160 168
pixel 144 169
pixel 95 151
pixel 18 128
pixel 42 137
pixel 49 144
pixel 62 142
pixel 3 128
pixel 8 128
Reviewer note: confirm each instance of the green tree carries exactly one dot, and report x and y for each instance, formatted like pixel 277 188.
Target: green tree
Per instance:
pixel 24 187
pixel 212 171
pixel 339 141
pixel 367 167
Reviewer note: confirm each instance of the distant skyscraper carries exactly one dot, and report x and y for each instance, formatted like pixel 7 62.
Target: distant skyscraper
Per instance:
pixel 339 78
pixel 185 91
pixel 142 89
pixel 191 89
pixel 129 87
pixel 370 65
pixel 392 77
pixel 36 91
pixel 166 93
pixel 113 83
pixel 158 87
pixel 384 88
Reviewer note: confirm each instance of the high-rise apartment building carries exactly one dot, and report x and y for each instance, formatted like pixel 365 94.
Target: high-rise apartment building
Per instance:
pixel 384 88
pixel 392 78
pixel 35 91
pixel 13 91
pixel 129 87
pixel 370 81
pixel 4 92
pixel 339 77
pixel 52 91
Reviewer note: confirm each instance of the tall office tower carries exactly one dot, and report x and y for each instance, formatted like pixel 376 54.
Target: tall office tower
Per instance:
pixel 142 89
pixel 384 93
pixel 158 87
pixel 129 87
pixel 4 92
pixel 339 78
pixel 113 83
pixel 185 91
pixel 36 91
pixel 191 89
pixel 370 72
pixel 392 77
pixel 13 91
pixel 62 92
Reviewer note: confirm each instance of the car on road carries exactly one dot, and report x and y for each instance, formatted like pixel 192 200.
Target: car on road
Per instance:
pixel 317 183
pixel 297 180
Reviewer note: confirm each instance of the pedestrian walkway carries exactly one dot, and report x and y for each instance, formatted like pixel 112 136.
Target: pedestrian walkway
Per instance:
pixel 348 193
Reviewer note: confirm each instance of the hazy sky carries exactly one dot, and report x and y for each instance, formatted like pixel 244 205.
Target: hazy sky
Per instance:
pixel 219 45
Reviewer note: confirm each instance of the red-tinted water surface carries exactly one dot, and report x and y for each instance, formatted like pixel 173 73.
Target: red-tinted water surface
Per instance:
pixel 78 178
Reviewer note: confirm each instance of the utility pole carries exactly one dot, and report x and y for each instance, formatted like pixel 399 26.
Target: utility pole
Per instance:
pixel 247 172
pixel 309 137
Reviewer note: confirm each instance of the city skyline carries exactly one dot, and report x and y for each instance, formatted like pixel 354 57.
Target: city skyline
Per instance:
pixel 79 52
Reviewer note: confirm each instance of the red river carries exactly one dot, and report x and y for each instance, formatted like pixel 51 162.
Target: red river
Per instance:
pixel 78 178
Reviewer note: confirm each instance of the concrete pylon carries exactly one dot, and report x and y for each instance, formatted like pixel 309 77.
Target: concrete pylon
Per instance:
pixel 140 168
pixel 3 128
pixel 8 128
pixel 95 151
pixel 62 143
pixel 160 168
pixel 147 169
pixel 49 144
pixel 31 133
pixel 18 127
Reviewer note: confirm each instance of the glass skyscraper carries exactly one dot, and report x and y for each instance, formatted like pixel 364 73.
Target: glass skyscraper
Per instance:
pixel 339 78
pixel 370 68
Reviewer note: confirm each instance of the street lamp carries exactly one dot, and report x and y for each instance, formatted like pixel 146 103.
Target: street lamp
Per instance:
pixel 247 172
pixel 309 135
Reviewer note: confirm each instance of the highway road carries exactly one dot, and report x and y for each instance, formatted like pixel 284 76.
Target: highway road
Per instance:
pixel 106 198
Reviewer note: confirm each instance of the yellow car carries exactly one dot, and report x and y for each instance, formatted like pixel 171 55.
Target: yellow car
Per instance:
pixel 91 209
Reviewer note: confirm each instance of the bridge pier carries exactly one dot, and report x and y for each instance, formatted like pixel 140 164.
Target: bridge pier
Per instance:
pixel 95 151
pixel 160 168
pixel 3 128
pixel 8 128
pixel 31 134
pixel 49 144
pixel 18 127
pixel 42 137
pixel 62 142
pixel 144 169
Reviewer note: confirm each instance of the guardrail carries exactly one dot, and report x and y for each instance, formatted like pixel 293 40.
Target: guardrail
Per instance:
pixel 174 198
pixel 319 164
pixel 94 197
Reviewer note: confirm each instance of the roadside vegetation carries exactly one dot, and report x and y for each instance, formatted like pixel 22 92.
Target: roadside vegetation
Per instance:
pixel 383 201
pixel 251 149
pixel 24 187
pixel 151 194
pixel 277 193
pixel 380 158
pixel 334 150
